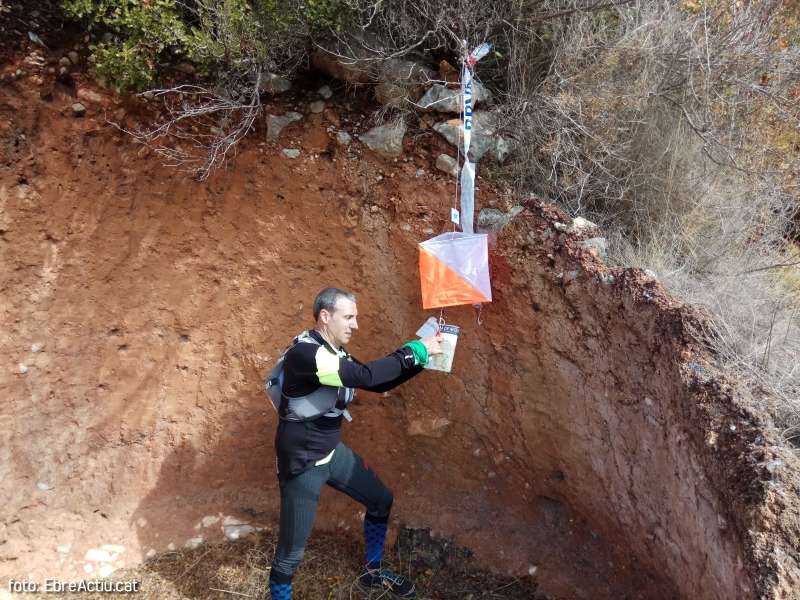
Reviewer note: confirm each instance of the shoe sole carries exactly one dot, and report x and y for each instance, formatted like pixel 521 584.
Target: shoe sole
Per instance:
pixel 382 592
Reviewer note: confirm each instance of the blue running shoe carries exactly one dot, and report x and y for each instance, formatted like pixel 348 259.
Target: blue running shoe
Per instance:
pixel 387 583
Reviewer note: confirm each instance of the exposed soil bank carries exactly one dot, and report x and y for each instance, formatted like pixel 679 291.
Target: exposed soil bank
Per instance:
pixel 581 431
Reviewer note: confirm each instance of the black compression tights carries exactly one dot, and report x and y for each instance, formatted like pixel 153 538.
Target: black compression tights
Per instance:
pixel 345 472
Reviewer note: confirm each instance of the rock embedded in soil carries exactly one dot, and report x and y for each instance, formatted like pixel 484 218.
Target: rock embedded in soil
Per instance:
pixel 485 136
pixel 447 164
pixel 386 140
pixel 343 138
pixel 89 96
pixel 401 80
pixel 493 219
pixel 440 98
pixel 274 84
pixel 596 245
pixel 276 123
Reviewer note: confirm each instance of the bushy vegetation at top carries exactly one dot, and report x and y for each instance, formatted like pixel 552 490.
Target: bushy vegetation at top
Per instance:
pixel 136 37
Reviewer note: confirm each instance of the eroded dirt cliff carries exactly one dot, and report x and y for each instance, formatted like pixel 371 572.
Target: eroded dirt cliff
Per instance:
pixel 582 431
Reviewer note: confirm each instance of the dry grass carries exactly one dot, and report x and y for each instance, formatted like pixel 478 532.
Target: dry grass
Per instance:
pixel 675 127
pixel 240 569
pixel 711 257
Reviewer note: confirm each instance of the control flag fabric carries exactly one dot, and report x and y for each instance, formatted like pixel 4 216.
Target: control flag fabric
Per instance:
pixel 454 269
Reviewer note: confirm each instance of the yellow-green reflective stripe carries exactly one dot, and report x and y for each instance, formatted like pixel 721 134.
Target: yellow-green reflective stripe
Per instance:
pixel 328 368
pixel 326 460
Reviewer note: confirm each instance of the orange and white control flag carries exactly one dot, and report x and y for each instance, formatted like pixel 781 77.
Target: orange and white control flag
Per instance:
pixel 454 269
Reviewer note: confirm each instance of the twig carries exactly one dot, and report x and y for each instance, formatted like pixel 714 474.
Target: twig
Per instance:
pixel 502 587
pixel 194 564
pixel 230 592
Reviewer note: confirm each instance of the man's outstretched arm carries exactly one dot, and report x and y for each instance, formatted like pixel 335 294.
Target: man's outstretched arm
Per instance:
pixel 390 385
pixel 378 375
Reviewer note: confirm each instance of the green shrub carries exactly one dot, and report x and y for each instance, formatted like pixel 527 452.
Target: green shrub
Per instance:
pixel 126 65
pixel 216 36
pixel 143 33
pixel 328 14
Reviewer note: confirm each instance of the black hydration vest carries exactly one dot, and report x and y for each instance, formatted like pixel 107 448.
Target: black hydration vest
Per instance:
pixel 327 400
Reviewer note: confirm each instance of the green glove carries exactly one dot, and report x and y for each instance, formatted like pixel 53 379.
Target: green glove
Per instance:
pixel 419 351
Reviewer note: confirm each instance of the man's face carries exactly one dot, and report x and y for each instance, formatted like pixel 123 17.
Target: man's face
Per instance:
pixel 342 322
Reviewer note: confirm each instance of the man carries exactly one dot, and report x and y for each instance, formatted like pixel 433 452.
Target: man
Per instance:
pixel 319 379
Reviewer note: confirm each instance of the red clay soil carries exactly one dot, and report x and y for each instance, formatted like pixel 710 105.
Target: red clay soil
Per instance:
pixel 582 431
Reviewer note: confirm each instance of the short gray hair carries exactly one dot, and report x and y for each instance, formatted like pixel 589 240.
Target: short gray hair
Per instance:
pixel 327 299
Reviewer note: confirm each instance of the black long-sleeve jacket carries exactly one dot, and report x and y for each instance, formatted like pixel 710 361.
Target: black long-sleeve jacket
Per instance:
pixel 308 366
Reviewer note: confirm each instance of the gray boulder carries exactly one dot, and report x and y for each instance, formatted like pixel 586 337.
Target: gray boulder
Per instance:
pixel 501 149
pixel 386 140
pixel 485 136
pixel 492 219
pixel 579 225
pixel 441 98
pixel 274 84
pixel 447 164
pixel 276 123
pixel 290 152
pixel 343 138
pixel 596 245
pixel 400 80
